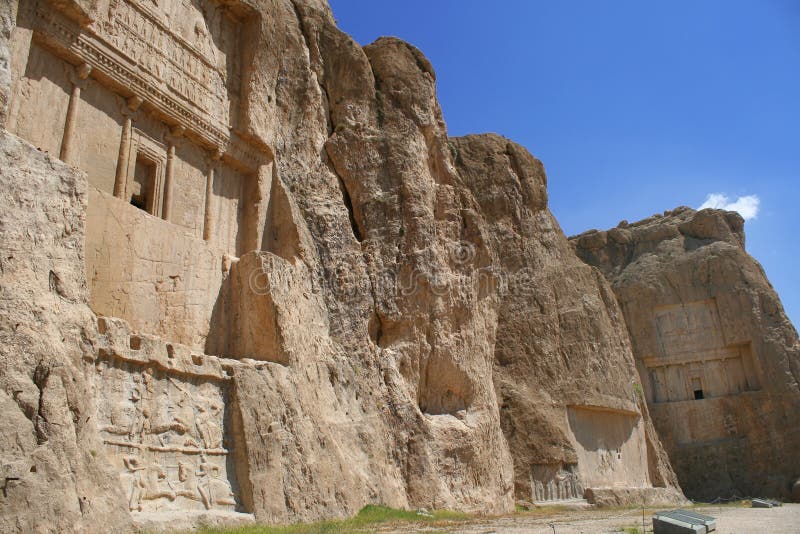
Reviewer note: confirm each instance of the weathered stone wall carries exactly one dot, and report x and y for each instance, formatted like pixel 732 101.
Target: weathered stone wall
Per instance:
pixel 388 264
pixel 610 446
pixel 163 135
pixel 150 273
pixel 562 356
pixel 717 356
pixel 55 475
pixel 8 13
pixel 165 418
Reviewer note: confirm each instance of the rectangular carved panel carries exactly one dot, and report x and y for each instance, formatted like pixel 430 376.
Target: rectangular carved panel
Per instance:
pixel 688 328
pixel 610 446
pixel 189 47
pixel 555 482
pixel 694 362
pixel 166 433
pixel 188 73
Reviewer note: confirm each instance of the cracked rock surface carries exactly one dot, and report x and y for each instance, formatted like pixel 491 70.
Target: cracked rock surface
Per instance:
pixel 719 359
pixel 430 338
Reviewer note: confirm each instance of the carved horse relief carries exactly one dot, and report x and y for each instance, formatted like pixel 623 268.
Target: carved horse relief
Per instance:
pixel 166 434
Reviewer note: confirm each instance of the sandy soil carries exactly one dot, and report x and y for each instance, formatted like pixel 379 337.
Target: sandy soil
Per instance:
pixel 730 520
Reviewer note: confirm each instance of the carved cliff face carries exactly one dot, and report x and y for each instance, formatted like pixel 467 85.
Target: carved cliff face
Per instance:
pixel 718 358
pixel 308 297
pixel 167 430
pixel 563 366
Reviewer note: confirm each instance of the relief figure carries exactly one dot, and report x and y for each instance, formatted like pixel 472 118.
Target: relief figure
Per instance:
pixel 213 488
pixel 156 485
pixel 208 425
pixel 187 476
pixel 159 428
pixel 122 418
pixel 132 477
pixel 183 418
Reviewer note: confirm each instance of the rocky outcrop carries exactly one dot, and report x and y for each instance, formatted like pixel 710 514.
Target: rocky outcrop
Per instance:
pixel 718 357
pixel 310 303
pixel 563 366
pixel 54 475
pixel 8 9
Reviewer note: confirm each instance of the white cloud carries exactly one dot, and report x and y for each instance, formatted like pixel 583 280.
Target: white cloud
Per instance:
pixel 746 206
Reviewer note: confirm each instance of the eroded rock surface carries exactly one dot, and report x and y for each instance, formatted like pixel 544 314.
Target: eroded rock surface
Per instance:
pixel 54 474
pixel 563 366
pixel 300 295
pixel 719 359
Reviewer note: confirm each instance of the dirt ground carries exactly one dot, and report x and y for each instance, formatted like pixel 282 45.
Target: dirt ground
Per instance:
pixel 730 520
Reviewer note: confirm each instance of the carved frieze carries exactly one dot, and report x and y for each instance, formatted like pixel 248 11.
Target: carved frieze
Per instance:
pixel 166 433
pixel 693 361
pixel 555 482
pixel 194 70
pixel 182 58
pixel 688 328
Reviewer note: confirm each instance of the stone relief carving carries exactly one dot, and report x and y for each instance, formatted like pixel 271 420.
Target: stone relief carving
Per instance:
pixel 555 483
pixel 188 62
pixel 688 328
pixel 694 357
pixel 166 435
pixel 182 58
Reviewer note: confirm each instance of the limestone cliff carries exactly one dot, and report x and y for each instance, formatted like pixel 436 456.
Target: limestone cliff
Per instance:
pixel 563 366
pixel 300 296
pixel 718 357
pixel 53 472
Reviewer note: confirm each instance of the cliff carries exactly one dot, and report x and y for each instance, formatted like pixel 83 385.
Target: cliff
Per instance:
pixel 563 367
pixel 718 358
pixel 284 293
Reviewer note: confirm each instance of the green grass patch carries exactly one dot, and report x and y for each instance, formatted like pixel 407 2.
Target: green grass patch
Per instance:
pixel 370 515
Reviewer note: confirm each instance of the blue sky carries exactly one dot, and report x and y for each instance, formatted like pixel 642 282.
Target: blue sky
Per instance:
pixel 634 107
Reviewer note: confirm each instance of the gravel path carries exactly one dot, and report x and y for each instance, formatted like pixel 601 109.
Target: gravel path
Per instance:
pixel 730 520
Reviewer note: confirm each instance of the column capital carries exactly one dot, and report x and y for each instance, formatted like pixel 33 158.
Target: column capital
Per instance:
pixel 83 71
pixel 175 135
pixel 79 74
pixel 133 103
pixel 130 107
pixel 213 156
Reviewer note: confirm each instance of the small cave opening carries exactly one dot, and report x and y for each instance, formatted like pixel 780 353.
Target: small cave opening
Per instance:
pixel 348 203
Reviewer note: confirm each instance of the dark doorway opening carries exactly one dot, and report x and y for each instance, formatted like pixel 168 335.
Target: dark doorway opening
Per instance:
pixel 143 185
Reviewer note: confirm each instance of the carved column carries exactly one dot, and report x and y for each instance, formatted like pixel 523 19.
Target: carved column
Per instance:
pixel 120 178
pixel 78 77
pixel 172 141
pixel 208 221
